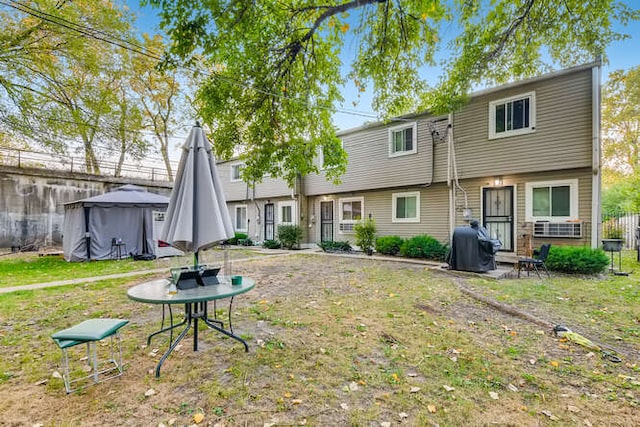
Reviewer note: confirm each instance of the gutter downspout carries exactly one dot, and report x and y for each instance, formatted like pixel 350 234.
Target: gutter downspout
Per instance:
pixel 452 195
pixel 596 182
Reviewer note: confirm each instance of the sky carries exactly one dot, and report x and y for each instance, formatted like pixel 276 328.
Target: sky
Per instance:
pixel 621 55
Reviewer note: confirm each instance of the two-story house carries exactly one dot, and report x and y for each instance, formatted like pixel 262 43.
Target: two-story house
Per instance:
pixel 523 158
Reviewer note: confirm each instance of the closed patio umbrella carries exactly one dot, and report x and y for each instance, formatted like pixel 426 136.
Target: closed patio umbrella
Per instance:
pixel 197 217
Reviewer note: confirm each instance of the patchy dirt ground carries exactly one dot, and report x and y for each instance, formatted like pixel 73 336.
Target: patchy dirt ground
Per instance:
pixel 333 341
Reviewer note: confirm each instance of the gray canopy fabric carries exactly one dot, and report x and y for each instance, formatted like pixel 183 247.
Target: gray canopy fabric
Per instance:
pixel 126 213
pixel 197 216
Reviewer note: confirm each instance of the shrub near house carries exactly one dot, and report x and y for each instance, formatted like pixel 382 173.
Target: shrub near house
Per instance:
pixel 389 245
pixel 423 246
pixel 576 260
pixel 290 236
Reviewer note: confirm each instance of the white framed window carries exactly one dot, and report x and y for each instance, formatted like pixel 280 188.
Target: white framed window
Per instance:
pixel 350 212
pixel 240 218
pixel 512 116
pixel 553 201
pixel 403 140
pixel 236 172
pixel 406 207
pixel 287 213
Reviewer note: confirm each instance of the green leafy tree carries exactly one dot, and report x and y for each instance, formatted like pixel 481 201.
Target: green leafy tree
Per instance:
pixel 61 80
pixel 278 68
pixel 621 121
pixel 160 93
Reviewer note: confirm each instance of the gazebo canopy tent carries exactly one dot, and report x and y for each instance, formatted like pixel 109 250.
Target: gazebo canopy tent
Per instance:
pixel 126 213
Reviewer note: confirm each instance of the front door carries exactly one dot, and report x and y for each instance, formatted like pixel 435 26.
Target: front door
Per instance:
pixel 497 217
pixel 269 226
pixel 326 221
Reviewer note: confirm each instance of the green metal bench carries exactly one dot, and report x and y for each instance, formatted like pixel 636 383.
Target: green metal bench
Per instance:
pixel 90 332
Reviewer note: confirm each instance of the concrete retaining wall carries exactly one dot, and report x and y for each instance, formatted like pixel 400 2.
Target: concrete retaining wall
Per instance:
pixel 31 202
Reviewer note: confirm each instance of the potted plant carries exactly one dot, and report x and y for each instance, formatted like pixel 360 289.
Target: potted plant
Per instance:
pixel 366 235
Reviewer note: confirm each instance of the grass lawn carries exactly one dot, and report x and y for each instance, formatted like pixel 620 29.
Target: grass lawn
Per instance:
pixel 341 341
pixel 27 268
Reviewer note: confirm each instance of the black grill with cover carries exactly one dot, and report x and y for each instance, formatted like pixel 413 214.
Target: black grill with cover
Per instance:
pixel 472 249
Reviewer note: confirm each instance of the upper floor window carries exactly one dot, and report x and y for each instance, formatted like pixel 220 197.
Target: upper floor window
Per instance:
pixel 552 200
pixel 406 207
pixel 236 172
pixel 350 213
pixel 403 140
pixel 515 115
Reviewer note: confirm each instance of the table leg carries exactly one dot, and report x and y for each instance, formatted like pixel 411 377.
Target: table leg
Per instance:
pixel 168 328
pixel 188 321
pixel 227 333
pixel 206 314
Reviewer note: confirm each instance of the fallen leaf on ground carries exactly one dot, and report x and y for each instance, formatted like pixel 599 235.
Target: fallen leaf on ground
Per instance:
pixel 431 408
pixel 403 415
pixel 353 386
pixel 572 408
pixel 296 401
pixel 198 418
pixel 56 374
pixel 149 392
pixel 414 389
pixel 448 388
pixel 512 388
pixel 554 363
pixel 344 406
pixel 550 415
pixel 494 395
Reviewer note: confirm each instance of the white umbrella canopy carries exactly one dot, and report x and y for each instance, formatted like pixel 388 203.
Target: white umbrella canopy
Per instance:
pixel 197 217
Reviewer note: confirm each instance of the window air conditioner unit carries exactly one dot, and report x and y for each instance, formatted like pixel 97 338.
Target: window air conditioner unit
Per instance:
pixel 558 229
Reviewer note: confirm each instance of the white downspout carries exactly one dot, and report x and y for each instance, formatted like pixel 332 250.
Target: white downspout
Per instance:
pixel 596 219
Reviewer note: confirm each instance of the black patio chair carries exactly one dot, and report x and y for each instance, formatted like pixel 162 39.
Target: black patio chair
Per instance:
pixel 536 263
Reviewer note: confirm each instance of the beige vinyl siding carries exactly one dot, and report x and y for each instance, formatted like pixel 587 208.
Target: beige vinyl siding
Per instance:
pixel 369 165
pixel 256 216
pixel 236 191
pixel 474 187
pixel 562 137
pixel 433 218
pixel 584 205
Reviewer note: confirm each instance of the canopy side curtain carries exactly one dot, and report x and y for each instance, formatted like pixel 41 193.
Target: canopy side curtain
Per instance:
pixel 107 223
pixel 74 243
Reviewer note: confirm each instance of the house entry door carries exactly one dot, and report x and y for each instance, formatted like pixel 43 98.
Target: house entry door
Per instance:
pixel 497 214
pixel 326 221
pixel 269 225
